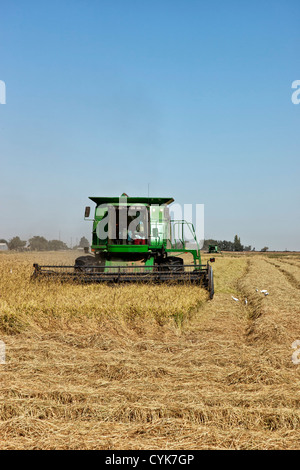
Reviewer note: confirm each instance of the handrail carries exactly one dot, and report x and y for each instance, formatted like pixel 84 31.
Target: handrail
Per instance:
pixel 192 230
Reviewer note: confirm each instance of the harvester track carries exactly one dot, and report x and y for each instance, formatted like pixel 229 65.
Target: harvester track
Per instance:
pixel 289 276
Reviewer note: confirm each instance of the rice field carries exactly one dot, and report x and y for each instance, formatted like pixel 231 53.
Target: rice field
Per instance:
pixel 151 367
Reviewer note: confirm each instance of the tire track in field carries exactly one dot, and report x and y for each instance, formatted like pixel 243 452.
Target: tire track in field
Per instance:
pixel 254 303
pixel 293 263
pixel 290 277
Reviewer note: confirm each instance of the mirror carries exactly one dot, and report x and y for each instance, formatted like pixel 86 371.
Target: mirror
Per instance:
pixel 87 212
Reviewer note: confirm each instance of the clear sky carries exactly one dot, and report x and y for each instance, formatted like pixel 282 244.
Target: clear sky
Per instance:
pixel 191 97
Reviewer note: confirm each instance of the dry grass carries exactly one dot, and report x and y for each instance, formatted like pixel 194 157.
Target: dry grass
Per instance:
pixel 151 367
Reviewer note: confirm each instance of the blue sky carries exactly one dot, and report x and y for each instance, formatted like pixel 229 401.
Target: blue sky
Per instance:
pixel 190 97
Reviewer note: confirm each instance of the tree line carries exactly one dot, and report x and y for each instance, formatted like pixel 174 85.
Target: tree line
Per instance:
pixel 235 245
pixel 38 243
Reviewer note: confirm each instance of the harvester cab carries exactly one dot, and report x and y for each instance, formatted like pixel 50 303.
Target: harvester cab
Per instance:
pixel 135 240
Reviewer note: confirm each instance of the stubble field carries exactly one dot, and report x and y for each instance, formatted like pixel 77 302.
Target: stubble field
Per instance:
pixel 151 367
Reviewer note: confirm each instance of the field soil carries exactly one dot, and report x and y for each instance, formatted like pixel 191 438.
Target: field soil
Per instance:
pixel 151 367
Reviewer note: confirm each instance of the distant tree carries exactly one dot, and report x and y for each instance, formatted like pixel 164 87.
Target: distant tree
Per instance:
pixel 237 246
pixel 38 243
pixel 265 248
pixel 16 243
pixel 84 242
pixel 55 245
pixel 247 248
pixel 226 245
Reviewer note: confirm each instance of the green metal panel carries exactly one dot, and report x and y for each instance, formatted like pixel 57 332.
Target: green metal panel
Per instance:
pixel 159 227
pixel 127 248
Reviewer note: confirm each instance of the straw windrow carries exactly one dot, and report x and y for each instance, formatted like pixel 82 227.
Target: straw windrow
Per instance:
pixel 131 367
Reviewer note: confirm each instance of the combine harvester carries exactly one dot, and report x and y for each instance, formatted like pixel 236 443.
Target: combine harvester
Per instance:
pixel 135 240
pixel 213 249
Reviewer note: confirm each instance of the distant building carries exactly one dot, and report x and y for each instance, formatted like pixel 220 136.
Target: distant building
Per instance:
pixel 3 247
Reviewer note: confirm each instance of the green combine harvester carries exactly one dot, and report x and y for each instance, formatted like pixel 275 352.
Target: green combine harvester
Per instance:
pixel 135 240
pixel 213 249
